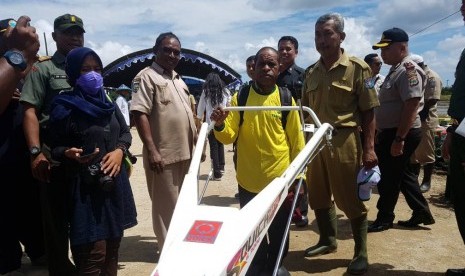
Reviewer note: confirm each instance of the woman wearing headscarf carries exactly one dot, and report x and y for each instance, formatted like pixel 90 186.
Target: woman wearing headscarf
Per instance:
pixel 214 94
pixel 90 138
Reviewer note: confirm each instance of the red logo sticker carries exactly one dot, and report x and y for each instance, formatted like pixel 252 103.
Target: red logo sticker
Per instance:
pixel 203 231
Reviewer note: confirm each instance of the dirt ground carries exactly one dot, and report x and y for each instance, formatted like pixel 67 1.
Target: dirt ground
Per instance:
pixel 398 251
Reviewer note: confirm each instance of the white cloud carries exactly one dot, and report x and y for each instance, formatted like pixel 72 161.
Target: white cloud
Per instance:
pixel 232 30
pixel 109 49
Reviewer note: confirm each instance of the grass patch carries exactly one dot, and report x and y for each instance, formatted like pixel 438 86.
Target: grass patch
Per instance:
pixel 445 98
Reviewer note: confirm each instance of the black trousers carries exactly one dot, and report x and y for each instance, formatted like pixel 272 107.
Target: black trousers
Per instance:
pixel 216 154
pixel 268 251
pixel 397 175
pixel 457 180
pixel 20 217
pixel 54 198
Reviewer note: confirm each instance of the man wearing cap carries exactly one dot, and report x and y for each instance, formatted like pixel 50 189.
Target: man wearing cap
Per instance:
pixel 335 87
pixel 425 154
pixel 399 133
pixel 124 94
pixel 454 147
pixel 46 79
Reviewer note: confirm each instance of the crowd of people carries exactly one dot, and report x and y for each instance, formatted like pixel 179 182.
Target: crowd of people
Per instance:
pixel 70 139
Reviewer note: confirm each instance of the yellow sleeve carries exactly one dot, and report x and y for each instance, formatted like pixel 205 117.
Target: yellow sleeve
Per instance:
pixel 294 133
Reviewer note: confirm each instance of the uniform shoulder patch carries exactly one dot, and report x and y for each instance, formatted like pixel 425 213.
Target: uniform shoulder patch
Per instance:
pixel 369 83
pixel 44 58
pixel 135 85
pixel 409 65
pixel 431 82
pixel 411 72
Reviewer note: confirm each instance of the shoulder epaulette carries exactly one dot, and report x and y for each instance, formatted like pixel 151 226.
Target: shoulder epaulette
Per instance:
pixel 310 68
pixel 300 69
pixel 359 61
pixel 44 58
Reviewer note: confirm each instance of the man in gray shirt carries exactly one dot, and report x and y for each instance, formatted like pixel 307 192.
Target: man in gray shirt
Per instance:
pixel 399 133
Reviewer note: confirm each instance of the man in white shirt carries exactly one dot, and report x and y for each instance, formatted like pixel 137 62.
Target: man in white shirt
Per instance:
pixel 124 93
pixel 375 64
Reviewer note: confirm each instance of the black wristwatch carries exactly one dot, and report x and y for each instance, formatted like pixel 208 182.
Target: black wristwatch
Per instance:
pixel 399 139
pixel 34 151
pixel 16 59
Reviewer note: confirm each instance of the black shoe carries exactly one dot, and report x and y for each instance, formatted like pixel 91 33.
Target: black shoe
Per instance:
pixel 378 226
pixel 303 222
pixel 454 272
pixel 282 271
pixel 424 187
pixel 40 261
pixel 420 218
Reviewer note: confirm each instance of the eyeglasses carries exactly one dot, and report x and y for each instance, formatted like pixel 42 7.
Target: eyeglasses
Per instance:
pixel 168 51
pixel 11 23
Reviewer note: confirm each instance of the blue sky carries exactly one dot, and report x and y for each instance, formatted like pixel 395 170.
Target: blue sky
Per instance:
pixel 232 30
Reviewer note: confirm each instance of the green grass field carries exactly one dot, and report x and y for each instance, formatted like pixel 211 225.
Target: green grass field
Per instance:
pixel 445 97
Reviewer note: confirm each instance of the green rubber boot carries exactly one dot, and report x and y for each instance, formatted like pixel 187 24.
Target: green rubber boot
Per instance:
pixel 359 264
pixel 327 224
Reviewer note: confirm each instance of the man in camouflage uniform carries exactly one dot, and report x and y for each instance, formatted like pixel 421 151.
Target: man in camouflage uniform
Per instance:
pixel 46 79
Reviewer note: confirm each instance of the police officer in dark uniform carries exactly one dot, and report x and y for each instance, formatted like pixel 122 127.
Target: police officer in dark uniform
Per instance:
pixel 292 77
pixel 454 147
pixel 399 133
pixel 46 80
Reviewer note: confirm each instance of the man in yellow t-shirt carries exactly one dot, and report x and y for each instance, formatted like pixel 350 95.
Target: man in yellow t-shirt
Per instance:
pixel 264 150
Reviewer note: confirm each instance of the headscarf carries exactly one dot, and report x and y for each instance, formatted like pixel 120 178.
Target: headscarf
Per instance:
pixel 96 106
pixel 74 61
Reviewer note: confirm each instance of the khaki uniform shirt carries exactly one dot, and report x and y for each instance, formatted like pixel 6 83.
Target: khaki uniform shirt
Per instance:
pixel 405 80
pixel 46 79
pixel 165 99
pixel 432 92
pixel 339 94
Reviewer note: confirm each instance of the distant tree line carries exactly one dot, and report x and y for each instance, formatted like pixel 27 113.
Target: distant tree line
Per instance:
pixel 447 90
